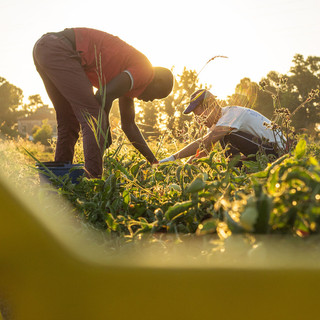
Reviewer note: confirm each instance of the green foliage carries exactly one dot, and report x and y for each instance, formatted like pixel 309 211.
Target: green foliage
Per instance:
pixel 210 196
pixel 297 91
pixel 16 166
pixel 43 134
pixel 246 93
pixel 10 100
pixel 12 108
pixel 35 104
pixel 167 114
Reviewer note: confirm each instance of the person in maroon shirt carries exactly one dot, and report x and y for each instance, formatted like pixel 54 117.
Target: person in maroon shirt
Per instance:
pixel 71 63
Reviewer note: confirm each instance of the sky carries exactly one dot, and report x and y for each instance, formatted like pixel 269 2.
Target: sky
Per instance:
pixel 256 36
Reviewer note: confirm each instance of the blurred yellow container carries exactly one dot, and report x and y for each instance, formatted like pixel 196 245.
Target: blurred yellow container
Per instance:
pixel 47 272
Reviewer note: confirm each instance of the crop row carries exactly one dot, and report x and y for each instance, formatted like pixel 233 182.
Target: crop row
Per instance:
pixel 210 196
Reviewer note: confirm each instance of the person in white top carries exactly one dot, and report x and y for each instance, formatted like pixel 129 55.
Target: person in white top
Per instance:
pixel 244 130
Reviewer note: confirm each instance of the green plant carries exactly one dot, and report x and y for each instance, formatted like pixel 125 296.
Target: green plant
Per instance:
pixel 282 121
pixel 43 134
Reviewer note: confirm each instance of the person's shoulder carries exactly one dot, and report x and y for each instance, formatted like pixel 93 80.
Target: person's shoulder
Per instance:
pixel 85 29
pixel 241 109
pixel 236 107
pixel 90 32
pixel 232 109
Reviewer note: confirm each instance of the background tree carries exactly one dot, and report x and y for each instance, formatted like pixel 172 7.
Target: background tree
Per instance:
pixel 148 119
pixel 35 103
pixel 246 93
pixel 10 100
pixel 12 107
pixel 185 84
pixel 43 134
pixel 275 93
pixel 167 114
pixel 287 91
pixel 305 77
pixel 290 91
pixel 42 111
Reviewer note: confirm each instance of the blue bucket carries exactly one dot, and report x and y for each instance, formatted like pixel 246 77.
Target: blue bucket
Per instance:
pixel 60 169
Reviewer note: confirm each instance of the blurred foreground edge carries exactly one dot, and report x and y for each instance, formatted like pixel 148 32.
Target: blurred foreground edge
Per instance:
pixel 41 278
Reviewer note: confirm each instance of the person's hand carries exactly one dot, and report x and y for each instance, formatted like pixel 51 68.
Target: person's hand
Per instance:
pixel 171 158
pixel 155 162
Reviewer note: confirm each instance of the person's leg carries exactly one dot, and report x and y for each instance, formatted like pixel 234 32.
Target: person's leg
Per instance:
pixel 61 64
pixel 245 143
pixel 68 125
pixel 229 149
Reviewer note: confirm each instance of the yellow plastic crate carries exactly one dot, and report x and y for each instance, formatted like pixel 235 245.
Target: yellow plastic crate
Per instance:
pixel 49 271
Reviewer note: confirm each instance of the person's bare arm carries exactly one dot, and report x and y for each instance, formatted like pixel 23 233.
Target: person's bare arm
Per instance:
pixel 116 88
pixel 131 130
pixel 206 142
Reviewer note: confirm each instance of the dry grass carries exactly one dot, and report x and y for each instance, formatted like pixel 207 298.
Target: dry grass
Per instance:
pixel 17 165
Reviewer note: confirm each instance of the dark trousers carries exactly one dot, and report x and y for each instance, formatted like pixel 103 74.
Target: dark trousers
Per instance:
pixel 72 96
pixel 247 144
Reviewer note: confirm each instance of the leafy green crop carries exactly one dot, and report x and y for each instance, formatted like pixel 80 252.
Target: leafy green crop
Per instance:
pixel 208 196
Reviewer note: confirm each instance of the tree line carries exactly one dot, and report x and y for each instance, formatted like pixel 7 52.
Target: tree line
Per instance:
pixel 12 107
pixel 298 91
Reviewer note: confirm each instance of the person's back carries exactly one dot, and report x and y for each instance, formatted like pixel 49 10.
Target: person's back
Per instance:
pixel 249 121
pixel 70 62
pixel 105 55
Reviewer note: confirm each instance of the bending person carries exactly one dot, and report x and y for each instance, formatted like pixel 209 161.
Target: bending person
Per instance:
pixel 71 63
pixel 241 128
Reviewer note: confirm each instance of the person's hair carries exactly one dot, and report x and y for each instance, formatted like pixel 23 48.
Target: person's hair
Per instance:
pixel 165 79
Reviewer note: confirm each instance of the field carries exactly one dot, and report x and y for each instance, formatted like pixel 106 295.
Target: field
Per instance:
pixel 172 204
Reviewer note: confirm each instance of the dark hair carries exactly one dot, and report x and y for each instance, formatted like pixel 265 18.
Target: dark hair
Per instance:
pixel 165 79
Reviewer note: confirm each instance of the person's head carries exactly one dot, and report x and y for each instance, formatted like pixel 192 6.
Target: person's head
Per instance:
pixel 205 107
pixel 160 86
